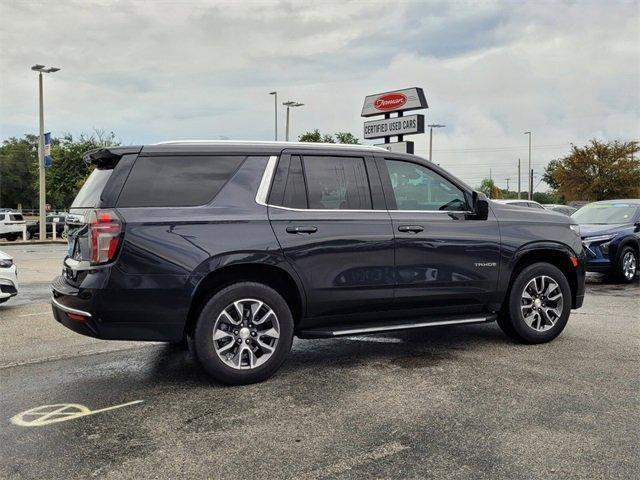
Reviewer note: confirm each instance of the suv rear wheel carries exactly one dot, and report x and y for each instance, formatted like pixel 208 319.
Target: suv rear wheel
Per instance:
pixel 243 334
pixel 538 306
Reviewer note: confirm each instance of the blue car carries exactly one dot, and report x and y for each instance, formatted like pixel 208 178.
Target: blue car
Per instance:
pixel 610 232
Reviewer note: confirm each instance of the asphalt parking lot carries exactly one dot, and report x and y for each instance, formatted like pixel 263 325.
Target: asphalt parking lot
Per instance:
pixel 446 402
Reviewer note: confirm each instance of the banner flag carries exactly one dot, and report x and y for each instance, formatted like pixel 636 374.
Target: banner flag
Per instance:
pixel 47 150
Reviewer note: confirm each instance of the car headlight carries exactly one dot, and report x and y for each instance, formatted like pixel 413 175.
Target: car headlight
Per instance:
pixel 575 228
pixel 597 239
pixel 6 263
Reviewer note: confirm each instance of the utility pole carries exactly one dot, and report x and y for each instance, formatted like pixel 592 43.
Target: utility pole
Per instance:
pixel 41 178
pixel 431 127
pixel 531 183
pixel 275 108
pixel 507 179
pixel 289 104
pixel 519 190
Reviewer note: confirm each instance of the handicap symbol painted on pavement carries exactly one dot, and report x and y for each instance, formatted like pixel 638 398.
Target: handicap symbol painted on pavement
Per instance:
pixel 60 412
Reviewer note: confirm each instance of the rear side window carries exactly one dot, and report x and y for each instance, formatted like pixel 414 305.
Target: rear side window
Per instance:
pixel 16 218
pixel 177 181
pixel 89 194
pixel 337 183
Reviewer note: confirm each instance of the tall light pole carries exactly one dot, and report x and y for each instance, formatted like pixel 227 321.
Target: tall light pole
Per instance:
pixel 530 193
pixel 431 127
pixel 289 105
pixel 42 200
pixel 275 107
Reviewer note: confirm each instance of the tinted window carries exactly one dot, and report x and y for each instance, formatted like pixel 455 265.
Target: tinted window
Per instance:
pixel 16 218
pixel 174 181
pixel 89 194
pixel 337 183
pixel 295 195
pixel 535 205
pixel 417 188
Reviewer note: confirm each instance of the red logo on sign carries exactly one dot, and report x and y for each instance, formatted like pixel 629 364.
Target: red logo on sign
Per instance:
pixel 390 101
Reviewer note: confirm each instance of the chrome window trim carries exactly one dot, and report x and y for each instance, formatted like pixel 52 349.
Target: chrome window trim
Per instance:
pixel 265 184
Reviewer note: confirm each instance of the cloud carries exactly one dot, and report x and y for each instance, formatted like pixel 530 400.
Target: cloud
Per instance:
pixel 154 71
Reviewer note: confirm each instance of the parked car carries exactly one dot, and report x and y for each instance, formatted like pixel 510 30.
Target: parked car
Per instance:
pixel 8 278
pixel 33 228
pixel 240 246
pixel 520 203
pixel 564 209
pixel 11 225
pixel 611 236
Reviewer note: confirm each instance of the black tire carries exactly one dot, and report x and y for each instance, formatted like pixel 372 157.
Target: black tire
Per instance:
pixel 203 343
pixel 511 320
pixel 12 238
pixel 29 235
pixel 626 253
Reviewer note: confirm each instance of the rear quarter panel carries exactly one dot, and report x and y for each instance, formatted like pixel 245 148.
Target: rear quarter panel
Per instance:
pixel 167 251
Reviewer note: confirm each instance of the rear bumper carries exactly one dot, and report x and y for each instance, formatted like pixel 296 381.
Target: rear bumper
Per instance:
pixel 70 318
pixel 106 314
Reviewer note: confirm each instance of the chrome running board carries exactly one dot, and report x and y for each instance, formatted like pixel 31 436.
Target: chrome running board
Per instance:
pixel 329 332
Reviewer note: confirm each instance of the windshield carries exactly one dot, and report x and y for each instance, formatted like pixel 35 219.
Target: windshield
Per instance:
pixel 89 194
pixel 605 213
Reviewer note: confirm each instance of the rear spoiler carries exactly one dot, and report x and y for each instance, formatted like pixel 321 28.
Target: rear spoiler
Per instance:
pixel 108 157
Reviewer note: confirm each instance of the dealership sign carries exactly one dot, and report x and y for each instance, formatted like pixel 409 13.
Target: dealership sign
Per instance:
pixel 399 147
pixel 396 101
pixel 390 127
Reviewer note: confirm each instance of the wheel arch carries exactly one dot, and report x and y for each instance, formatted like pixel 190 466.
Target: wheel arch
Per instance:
pixel 275 276
pixel 556 254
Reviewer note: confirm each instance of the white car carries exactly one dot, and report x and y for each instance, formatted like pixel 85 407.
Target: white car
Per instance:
pixel 520 203
pixel 11 225
pixel 8 278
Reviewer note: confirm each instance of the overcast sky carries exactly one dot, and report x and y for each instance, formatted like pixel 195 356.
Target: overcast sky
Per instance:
pixel 153 71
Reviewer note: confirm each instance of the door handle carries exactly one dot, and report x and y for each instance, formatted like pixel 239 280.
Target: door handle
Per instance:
pixel 302 229
pixel 410 228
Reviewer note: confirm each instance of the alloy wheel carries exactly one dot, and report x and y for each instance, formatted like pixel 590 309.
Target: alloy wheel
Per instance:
pixel 246 334
pixel 629 265
pixel 541 303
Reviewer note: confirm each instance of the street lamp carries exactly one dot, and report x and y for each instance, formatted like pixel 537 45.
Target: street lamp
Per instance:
pixel 275 107
pixel 42 200
pixel 431 127
pixel 530 192
pixel 290 104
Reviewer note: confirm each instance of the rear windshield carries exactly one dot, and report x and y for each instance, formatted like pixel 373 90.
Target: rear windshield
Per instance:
pixel 177 181
pixel 605 213
pixel 89 194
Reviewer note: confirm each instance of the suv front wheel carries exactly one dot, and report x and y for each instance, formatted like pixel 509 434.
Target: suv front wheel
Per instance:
pixel 538 306
pixel 243 334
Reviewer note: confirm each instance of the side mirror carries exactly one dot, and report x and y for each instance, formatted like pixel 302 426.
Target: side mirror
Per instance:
pixel 480 206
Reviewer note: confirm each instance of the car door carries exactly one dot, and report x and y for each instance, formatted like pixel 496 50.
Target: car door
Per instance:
pixel 328 213
pixel 447 261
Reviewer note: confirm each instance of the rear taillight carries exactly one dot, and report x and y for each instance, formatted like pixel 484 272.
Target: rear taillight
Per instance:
pixel 105 228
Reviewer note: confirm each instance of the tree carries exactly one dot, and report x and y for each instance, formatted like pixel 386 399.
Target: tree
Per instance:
pixel 488 187
pixel 597 171
pixel 19 169
pixel 340 137
pixel 19 172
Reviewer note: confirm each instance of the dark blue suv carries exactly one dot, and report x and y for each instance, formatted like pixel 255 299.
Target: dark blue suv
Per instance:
pixel 610 233
pixel 237 247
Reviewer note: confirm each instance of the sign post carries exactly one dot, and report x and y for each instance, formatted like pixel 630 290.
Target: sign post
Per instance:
pixel 397 101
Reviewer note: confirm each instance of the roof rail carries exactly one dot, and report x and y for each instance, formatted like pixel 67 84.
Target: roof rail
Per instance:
pixel 267 142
